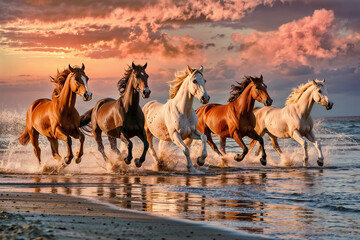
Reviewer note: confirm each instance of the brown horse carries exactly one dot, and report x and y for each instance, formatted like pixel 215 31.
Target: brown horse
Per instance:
pixel 58 118
pixel 121 118
pixel 235 119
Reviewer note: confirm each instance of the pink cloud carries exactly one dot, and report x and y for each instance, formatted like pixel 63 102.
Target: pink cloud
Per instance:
pixel 302 42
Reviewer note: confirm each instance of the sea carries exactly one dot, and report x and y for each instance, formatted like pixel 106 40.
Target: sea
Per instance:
pixel 282 200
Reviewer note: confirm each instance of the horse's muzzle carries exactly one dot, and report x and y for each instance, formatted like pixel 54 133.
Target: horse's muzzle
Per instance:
pixel 204 100
pixel 329 105
pixel 87 96
pixel 146 93
pixel 268 102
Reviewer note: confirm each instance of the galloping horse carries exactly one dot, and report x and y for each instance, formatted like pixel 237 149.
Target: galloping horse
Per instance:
pixel 58 118
pixel 176 119
pixel 121 118
pixel 294 120
pixel 235 119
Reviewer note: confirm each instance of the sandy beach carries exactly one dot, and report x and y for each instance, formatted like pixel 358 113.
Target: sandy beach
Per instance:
pixel 53 216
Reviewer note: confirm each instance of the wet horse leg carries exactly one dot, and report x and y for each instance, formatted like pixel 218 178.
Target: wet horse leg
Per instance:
pixel 113 144
pixel 253 135
pixel 54 148
pixel 222 145
pixel 275 144
pixel 152 152
pixel 34 138
pixel 198 135
pixel 129 145
pixel 79 135
pixel 312 138
pixel 210 141
pixel 142 136
pixel 238 139
pixel 253 143
pixel 60 134
pixel 297 136
pixel 97 134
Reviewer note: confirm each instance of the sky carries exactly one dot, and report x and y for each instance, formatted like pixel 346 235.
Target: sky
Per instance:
pixel 287 41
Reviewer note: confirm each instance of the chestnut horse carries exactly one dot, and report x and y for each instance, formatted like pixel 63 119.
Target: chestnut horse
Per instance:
pixel 58 118
pixel 121 118
pixel 235 119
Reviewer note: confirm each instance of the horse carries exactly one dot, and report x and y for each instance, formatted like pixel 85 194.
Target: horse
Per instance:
pixel 235 119
pixel 294 120
pixel 57 118
pixel 121 118
pixel 176 119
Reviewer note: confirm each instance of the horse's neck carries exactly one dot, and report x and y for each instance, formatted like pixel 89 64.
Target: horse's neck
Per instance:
pixel 305 104
pixel 131 97
pixel 244 104
pixel 184 99
pixel 67 98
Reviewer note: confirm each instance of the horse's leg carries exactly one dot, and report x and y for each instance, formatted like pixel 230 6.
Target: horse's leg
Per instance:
pixel 312 138
pixel 297 136
pixel 222 145
pixel 275 144
pixel 97 134
pixel 34 138
pixel 142 136
pixel 176 138
pixel 198 135
pixel 60 134
pixel 77 134
pixel 240 142
pixel 253 143
pixel 129 145
pixel 113 145
pixel 54 148
pixel 210 141
pixel 253 135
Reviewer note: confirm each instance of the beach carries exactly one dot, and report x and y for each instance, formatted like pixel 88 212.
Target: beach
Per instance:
pixel 26 215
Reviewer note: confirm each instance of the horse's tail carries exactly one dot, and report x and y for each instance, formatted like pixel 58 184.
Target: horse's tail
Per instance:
pixel 86 118
pixel 24 137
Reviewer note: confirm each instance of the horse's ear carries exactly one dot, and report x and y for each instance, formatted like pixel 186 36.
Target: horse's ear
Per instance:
pixel 70 68
pixel 189 69
pixel 261 77
pixel 83 67
pixel 133 65
pixel 251 79
pixel 201 68
pixel 323 80
pixel 314 83
pixel 144 67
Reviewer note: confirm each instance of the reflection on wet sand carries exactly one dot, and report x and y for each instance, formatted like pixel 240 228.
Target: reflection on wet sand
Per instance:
pixel 227 197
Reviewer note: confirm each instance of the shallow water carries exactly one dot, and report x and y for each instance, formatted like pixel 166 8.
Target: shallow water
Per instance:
pixel 281 200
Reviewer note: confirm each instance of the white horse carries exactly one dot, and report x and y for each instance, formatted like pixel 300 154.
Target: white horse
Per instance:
pixel 294 120
pixel 176 119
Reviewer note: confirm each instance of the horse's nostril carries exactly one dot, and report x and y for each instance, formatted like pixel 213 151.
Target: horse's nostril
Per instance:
pixel 86 95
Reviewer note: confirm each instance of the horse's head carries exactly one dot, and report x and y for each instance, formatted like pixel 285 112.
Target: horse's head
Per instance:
pixel 197 84
pixel 320 94
pixel 78 82
pixel 139 80
pixel 259 92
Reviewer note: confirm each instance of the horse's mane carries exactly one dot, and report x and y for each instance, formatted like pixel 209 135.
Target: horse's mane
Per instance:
pixel 236 90
pixel 59 81
pixel 298 92
pixel 178 81
pixel 123 81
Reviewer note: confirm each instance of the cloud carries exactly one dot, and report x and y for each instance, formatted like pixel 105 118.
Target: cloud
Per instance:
pixel 303 42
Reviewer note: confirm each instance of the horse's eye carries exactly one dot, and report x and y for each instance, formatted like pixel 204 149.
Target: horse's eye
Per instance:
pixel 194 81
pixel 319 90
pixel 204 80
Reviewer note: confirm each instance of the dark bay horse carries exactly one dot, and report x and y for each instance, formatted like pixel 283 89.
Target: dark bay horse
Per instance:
pixel 121 118
pixel 235 119
pixel 58 118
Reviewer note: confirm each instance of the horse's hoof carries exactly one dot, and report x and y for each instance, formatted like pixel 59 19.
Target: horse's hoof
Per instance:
pixel 320 163
pixel 263 161
pixel 127 160
pixel 138 163
pixel 200 161
pixel 239 157
pixel 78 160
pixel 67 160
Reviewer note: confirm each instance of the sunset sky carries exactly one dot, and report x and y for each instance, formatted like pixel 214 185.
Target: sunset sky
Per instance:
pixel 289 42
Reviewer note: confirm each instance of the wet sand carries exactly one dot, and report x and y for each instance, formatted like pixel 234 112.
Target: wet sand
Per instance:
pixel 53 216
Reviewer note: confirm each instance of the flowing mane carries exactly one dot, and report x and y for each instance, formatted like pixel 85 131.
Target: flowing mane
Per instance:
pixel 123 81
pixel 236 90
pixel 298 92
pixel 178 81
pixel 59 81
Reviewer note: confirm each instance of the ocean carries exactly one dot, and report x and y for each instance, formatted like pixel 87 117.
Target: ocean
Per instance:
pixel 280 200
